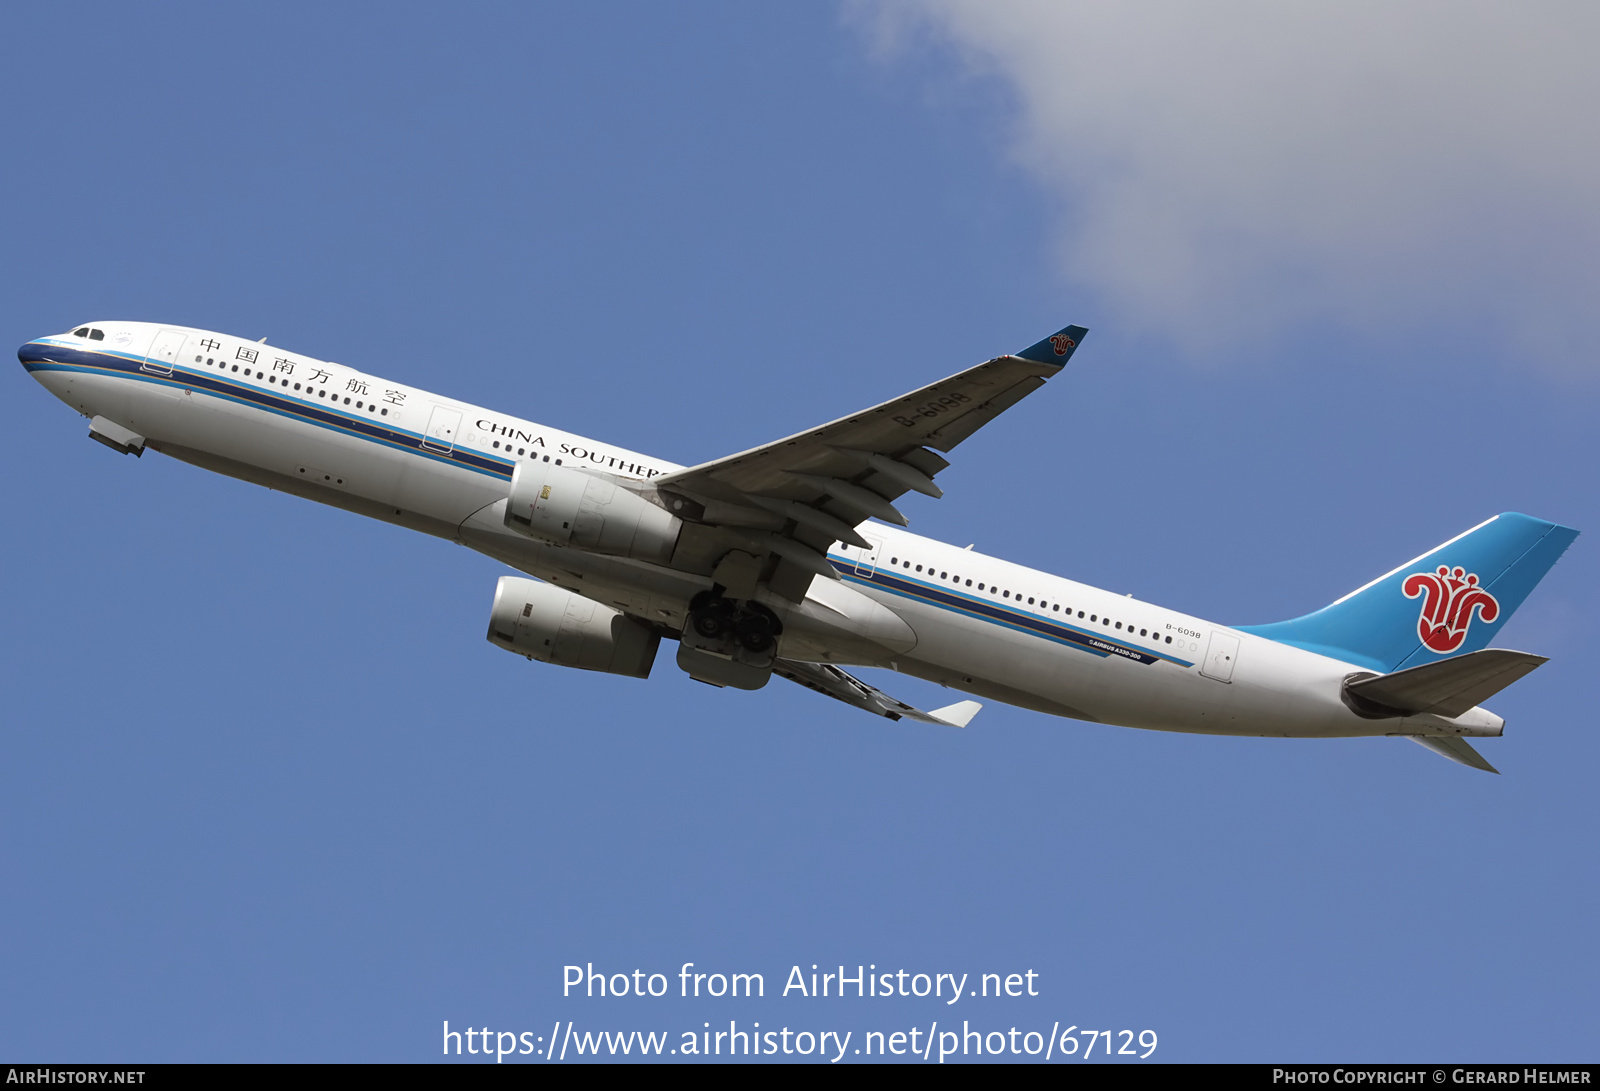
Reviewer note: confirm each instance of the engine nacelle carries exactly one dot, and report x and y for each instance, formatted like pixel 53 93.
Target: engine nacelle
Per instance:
pixel 544 622
pixel 563 506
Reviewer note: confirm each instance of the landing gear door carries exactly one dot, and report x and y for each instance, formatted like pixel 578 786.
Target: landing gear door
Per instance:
pixel 1221 655
pixel 443 427
pixel 164 352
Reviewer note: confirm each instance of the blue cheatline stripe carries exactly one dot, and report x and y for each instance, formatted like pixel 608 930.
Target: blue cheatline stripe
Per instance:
pixel 969 606
pixel 71 358
pixel 122 365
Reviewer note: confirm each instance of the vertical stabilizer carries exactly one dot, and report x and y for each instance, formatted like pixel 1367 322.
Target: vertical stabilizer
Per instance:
pixel 1451 600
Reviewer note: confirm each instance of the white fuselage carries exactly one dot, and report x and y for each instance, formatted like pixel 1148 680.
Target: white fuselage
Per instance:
pixel 953 616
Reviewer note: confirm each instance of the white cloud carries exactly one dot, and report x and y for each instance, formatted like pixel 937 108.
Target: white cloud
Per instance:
pixel 1239 167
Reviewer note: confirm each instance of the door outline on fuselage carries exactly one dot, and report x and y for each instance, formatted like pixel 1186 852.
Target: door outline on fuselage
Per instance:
pixel 164 351
pixel 444 424
pixel 1222 654
pixel 867 559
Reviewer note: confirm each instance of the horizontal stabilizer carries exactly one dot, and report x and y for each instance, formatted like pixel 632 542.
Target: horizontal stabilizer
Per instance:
pixel 1447 687
pixel 1456 749
pixel 843 686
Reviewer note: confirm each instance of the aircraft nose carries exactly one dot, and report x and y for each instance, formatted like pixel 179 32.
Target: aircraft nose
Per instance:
pixel 45 353
pixel 44 361
pixel 31 354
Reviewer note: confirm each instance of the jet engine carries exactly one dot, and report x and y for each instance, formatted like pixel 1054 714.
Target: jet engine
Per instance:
pixel 544 622
pixel 563 506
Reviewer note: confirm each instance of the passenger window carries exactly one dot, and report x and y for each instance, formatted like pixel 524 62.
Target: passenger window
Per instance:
pixel 1005 594
pixel 1169 640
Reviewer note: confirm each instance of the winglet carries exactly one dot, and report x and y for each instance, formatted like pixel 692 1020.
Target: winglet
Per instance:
pixel 959 714
pixel 1057 348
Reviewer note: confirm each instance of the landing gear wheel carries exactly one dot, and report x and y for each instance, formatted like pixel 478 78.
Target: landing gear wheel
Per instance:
pixel 708 624
pixel 754 633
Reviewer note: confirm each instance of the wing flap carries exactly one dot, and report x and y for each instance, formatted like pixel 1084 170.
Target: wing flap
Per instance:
pixel 830 681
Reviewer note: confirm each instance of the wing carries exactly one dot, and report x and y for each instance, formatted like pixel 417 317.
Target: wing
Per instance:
pixel 787 502
pixel 839 685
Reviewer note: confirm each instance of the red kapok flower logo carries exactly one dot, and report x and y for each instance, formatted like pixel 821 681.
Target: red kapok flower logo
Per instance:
pixel 1449 598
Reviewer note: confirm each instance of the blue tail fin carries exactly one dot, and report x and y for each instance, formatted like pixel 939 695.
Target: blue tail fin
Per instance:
pixel 1448 601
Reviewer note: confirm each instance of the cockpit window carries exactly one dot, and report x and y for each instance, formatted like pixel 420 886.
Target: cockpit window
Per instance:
pixel 82 331
pixel 97 335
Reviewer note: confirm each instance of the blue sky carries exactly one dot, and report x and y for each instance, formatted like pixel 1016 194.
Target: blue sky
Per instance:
pixel 266 793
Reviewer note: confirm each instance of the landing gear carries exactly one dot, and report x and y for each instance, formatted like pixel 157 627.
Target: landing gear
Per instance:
pixel 708 624
pixel 729 642
pixel 754 633
pixel 731 626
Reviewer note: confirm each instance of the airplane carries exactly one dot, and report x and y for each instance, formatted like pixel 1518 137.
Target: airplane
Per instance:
pixel 791 559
